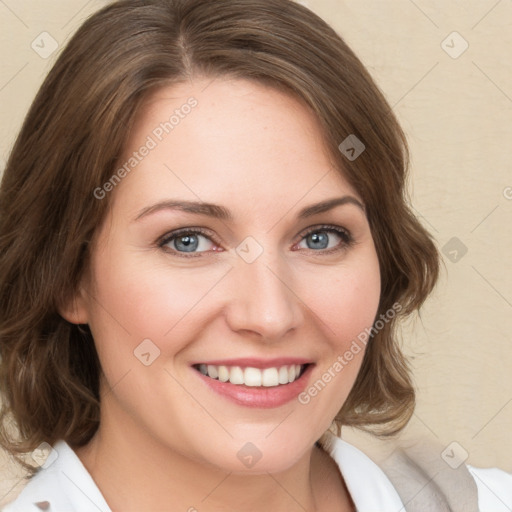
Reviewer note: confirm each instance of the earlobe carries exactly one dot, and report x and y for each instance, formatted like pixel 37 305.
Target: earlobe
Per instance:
pixel 74 309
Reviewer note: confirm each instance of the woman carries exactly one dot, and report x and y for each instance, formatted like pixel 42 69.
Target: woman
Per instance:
pixel 205 249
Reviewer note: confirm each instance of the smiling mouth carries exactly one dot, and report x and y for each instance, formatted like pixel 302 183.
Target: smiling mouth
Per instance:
pixel 253 377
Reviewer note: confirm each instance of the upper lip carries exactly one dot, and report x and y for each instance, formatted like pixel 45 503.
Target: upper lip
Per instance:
pixel 252 362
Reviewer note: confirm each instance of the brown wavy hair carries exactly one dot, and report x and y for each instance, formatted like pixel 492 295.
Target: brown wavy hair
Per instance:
pixel 73 137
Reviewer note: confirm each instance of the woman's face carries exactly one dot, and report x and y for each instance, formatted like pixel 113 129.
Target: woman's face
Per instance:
pixel 234 248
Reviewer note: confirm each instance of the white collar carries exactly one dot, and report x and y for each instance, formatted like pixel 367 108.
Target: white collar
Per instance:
pixel 68 487
pixel 367 484
pixel 65 484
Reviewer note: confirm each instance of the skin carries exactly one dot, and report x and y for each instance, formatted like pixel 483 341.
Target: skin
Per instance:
pixel 166 441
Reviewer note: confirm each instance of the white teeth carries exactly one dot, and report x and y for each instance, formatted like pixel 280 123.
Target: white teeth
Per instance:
pixel 212 371
pixel 252 377
pixel 270 377
pixel 283 375
pixel 236 375
pixel 223 373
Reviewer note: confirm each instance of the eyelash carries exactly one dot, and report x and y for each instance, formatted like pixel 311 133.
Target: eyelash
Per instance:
pixel 346 238
pixel 344 234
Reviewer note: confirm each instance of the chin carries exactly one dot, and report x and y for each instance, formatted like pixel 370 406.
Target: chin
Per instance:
pixel 274 454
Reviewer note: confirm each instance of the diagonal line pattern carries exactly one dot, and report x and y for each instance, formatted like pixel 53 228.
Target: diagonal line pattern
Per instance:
pixel 485 218
pixel 13 13
pixel 116 383
pixel 492 81
pixel 216 487
pixel 10 490
pixel 167 167
pixel 194 305
pixel 95 505
pixel 425 425
pixel 279 424
pixel 486 14
pixel 416 84
pixel 108 313
pixel 299 200
pixel 508 508
pixel 328 326
pixel 492 418
pixel 285 490
pixel 198 403
pixel 76 14
pixel 489 283
pixel 419 214
pixel 208 85
pixel 404 507
pixel 424 13
pixel 185 185
pixel 14 76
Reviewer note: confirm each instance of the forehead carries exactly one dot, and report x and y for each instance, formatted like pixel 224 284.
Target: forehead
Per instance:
pixel 232 141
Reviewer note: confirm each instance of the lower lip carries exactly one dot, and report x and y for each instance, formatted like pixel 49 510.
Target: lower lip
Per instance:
pixel 259 397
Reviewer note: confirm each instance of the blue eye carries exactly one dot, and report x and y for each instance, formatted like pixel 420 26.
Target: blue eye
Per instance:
pixel 326 237
pixel 188 241
pixel 193 241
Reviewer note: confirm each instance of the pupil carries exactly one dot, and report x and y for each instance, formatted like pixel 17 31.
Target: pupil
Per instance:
pixel 186 243
pixel 319 240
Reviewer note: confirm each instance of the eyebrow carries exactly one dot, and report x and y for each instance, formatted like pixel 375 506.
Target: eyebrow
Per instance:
pixel 329 204
pixel 222 213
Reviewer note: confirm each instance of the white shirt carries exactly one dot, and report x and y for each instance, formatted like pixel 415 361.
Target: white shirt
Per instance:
pixel 68 487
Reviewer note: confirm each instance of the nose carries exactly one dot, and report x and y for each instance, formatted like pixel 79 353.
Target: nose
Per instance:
pixel 263 301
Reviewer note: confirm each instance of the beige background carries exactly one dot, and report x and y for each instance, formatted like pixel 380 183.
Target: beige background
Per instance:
pixel 457 113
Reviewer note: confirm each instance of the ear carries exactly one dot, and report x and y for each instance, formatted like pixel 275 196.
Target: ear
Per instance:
pixel 74 309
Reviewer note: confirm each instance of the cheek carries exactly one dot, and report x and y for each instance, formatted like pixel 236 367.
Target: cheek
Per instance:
pixel 345 299
pixel 134 301
pixel 346 302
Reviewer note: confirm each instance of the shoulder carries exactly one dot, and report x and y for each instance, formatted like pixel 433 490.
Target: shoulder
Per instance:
pixel 61 485
pixel 419 477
